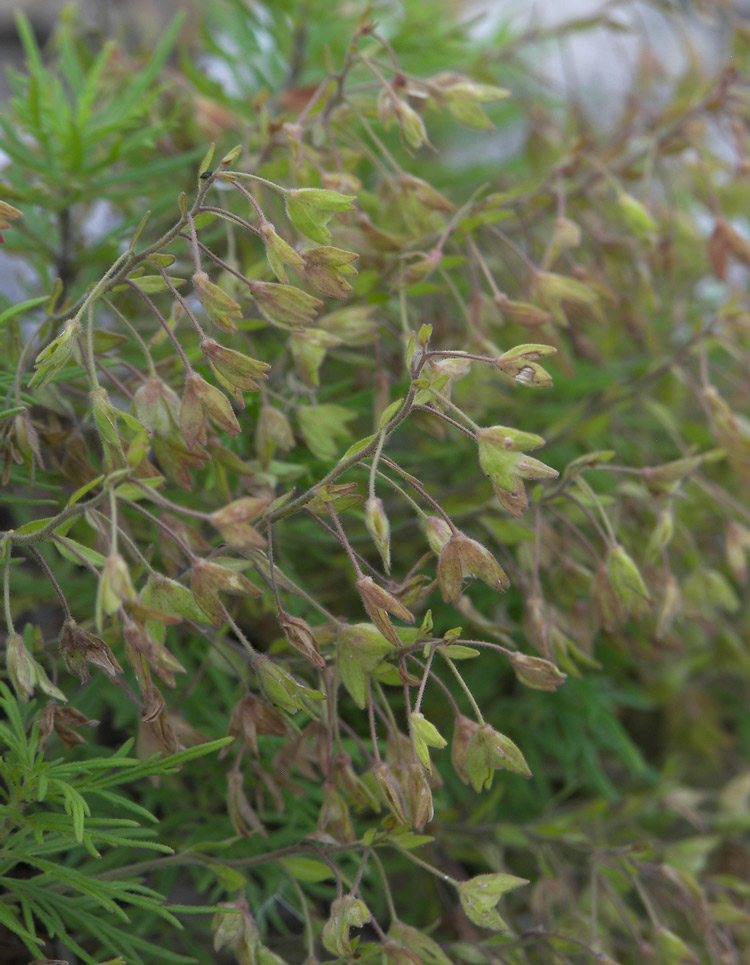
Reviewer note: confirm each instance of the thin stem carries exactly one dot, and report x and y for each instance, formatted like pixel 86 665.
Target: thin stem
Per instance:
pixel 164 324
pixel 134 332
pixel 345 464
pixel 230 215
pixel 112 520
pixel 360 871
pixel 581 536
pixel 528 263
pixel 51 577
pixel 428 867
pixel 465 688
pixel 407 497
pixel 584 486
pixel 434 677
pixel 6 593
pixel 170 285
pixel 589 515
pixel 345 543
pixel 100 286
pixel 254 204
pixel 445 418
pixel 165 529
pixel 154 494
pixel 392 725
pixel 297 590
pixel 373 730
pixel 78 509
pixel 224 264
pixel 309 933
pixel 415 486
pixel 386 887
pixel 272 571
pixel 537 548
pixel 375 460
pixel 90 356
pixel 240 635
pixel 230 176
pixel 194 243
pixel 451 405
pixel 113 378
pixel 376 140
pixel 321 522
pixel 425 675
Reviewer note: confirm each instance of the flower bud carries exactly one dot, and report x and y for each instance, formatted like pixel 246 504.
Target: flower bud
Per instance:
pixel 244 819
pixel 379 602
pixel 522 313
pixel 519 363
pixel 419 796
pixel 80 648
pixel 608 605
pixel 273 432
pixel 359 650
pixel 334 818
pixel 278 686
pixel 346 913
pixel 536 673
pixel 666 478
pixel 661 534
pixel 424 735
pixel 284 305
pixel 308 351
pixel 115 587
pixel 157 406
pixel 535 624
pixel 636 216
pixel 202 401
pixel 463 734
pixel 351 785
pixel 479 895
pixel 566 234
pixel 553 290
pixel 438 532
pixel 395 954
pixel 220 307
pixel 490 751
pixel 279 252
pixel 626 579
pixel 233 521
pixel 227 926
pixel 252 716
pixel 737 546
pixel 310 210
pixel 105 417
pixel 379 529
pixel 325 268
pixel 425 948
pixel 391 791
pixel 235 371
pixel 299 635
pixel 54 356
pixel 21 667
pixel 462 558
pixel 153 653
pixel 425 264
pixel 425 193
pixel 207 580
pixel 672 949
pixel 463 97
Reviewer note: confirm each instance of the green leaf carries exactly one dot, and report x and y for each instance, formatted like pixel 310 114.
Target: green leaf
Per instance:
pixel 306 869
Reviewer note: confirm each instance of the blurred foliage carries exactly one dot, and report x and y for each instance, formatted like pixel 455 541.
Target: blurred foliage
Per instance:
pixel 273 506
